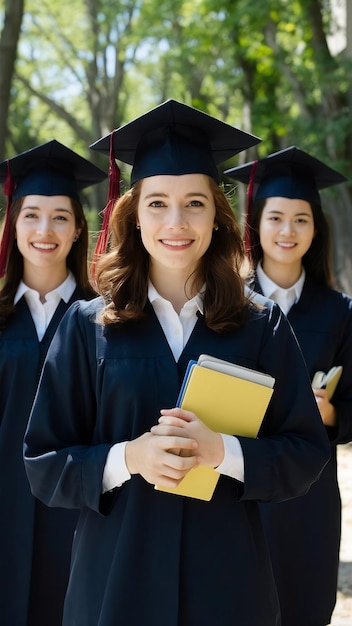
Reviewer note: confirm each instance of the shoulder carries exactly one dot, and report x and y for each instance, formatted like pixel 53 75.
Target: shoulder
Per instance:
pixel 259 304
pixel 84 311
pixel 330 296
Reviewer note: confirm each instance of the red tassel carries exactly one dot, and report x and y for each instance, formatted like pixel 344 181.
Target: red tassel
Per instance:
pixel 5 239
pixel 247 226
pixel 113 195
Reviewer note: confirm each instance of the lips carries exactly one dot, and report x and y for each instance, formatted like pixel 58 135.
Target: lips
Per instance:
pixel 176 243
pixel 284 244
pixel 44 246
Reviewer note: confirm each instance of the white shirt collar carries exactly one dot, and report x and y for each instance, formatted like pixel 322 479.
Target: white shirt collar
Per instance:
pixel 196 301
pixel 285 297
pixel 65 290
pixel 177 328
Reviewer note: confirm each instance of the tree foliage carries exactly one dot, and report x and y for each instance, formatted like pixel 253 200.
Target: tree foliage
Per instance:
pixel 85 67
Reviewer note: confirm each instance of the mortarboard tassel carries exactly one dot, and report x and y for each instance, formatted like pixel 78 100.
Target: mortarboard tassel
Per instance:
pixel 113 195
pixel 4 246
pixel 247 226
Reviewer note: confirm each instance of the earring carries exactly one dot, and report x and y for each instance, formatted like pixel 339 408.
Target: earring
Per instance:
pixel 216 227
pixel 75 239
pixel 138 227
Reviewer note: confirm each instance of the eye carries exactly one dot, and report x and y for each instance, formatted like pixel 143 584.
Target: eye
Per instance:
pixel 60 218
pixel 157 203
pixel 30 215
pixel 196 203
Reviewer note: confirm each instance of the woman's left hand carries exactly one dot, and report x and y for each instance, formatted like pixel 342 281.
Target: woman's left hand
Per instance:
pixel 327 410
pixel 181 423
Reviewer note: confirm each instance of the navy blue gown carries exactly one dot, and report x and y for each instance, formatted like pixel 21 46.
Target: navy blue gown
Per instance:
pixel 145 557
pixel 304 534
pixel 27 527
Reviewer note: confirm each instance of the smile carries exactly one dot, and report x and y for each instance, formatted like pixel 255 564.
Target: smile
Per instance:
pixel 44 246
pixel 176 244
pixel 283 244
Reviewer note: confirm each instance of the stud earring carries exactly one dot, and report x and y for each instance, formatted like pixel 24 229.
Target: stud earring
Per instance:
pixel 216 227
pixel 138 227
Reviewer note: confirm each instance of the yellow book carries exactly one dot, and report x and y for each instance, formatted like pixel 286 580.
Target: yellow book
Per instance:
pixel 328 380
pixel 230 399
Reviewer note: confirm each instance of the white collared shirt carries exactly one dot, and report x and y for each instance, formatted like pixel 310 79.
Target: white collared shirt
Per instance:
pixel 285 298
pixel 42 312
pixel 177 330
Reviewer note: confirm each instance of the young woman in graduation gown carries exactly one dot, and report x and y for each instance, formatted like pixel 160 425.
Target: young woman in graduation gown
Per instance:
pixel 43 262
pixel 104 429
pixel 289 251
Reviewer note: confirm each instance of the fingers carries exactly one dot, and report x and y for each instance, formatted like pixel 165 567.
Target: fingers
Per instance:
pixel 156 458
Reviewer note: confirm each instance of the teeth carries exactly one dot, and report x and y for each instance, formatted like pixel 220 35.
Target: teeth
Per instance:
pixel 45 246
pixel 169 242
pixel 285 245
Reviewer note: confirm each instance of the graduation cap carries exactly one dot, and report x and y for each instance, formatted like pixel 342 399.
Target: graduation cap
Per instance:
pixel 49 169
pixel 172 139
pixel 290 173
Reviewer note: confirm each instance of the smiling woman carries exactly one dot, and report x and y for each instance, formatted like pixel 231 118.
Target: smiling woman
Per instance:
pixel 100 441
pixel 289 250
pixel 43 260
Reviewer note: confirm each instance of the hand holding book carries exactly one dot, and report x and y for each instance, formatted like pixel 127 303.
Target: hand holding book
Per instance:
pixel 328 381
pixel 227 398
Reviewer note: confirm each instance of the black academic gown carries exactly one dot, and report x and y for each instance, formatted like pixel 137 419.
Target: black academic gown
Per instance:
pixel 304 534
pixel 143 557
pixel 35 541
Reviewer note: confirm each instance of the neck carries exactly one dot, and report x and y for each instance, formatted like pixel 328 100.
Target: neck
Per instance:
pixel 44 280
pixel 178 290
pixel 283 275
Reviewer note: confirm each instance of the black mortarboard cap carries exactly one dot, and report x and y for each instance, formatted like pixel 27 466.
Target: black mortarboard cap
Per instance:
pixel 289 173
pixel 174 138
pixel 50 169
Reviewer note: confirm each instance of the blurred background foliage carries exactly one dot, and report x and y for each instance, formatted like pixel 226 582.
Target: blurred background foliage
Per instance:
pixel 281 69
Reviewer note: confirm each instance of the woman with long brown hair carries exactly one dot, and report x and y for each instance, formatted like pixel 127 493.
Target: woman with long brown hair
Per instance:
pixel 104 435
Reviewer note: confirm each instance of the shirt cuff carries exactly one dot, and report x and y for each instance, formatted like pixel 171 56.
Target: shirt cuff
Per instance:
pixel 233 463
pixel 115 470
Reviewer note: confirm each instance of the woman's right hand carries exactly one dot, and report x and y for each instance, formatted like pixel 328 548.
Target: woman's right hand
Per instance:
pixel 154 458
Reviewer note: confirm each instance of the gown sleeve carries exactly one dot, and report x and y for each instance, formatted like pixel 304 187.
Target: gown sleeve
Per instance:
pixel 342 398
pixel 63 464
pixel 292 447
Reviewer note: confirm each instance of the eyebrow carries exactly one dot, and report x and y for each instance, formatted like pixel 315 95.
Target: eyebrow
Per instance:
pixel 161 194
pixel 295 215
pixel 33 207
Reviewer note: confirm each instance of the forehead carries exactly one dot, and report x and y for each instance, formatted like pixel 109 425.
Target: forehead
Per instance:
pixel 169 184
pixel 47 202
pixel 287 206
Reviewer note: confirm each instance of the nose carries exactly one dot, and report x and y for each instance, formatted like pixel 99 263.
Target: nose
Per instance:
pixel 287 228
pixel 44 226
pixel 176 217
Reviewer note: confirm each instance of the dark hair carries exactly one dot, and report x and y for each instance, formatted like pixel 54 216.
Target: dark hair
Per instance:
pixel 316 260
pixel 122 273
pixel 76 261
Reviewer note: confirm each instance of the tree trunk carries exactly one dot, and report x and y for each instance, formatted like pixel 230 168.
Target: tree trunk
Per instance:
pixel 8 51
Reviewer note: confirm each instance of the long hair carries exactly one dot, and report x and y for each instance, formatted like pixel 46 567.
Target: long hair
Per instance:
pixel 316 260
pixel 122 273
pixel 76 261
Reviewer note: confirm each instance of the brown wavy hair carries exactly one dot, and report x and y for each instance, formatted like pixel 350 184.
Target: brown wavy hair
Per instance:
pixel 316 260
pixel 76 261
pixel 122 273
